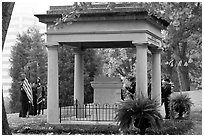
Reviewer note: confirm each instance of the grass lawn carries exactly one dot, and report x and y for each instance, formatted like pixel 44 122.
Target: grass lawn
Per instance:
pixel 38 125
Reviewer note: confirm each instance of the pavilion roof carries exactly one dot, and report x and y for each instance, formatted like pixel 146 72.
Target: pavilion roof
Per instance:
pixel 101 9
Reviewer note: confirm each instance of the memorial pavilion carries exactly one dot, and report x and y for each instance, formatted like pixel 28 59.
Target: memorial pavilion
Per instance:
pixel 99 27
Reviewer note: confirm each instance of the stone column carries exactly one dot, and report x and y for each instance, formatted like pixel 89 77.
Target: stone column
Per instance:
pixel 156 74
pixel 79 82
pixel 53 92
pixel 141 70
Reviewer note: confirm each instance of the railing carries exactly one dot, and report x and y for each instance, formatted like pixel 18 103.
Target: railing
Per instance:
pixel 88 112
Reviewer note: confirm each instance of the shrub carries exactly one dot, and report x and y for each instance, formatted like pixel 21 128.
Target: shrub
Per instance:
pixel 140 113
pixel 180 105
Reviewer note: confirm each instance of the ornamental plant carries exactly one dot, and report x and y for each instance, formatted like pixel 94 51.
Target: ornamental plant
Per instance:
pixel 141 113
pixel 180 105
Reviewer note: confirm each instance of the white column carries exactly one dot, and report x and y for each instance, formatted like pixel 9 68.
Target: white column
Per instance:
pixel 141 70
pixel 79 81
pixel 53 92
pixel 156 74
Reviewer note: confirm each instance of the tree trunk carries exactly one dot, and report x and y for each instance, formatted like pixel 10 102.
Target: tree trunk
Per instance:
pixel 5 127
pixel 179 77
pixel 7 9
pixel 183 78
pixel 182 71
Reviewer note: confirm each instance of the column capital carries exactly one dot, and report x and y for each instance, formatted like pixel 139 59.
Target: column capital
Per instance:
pixel 139 44
pixel 52 47
pixel 52 44
pixel 155 50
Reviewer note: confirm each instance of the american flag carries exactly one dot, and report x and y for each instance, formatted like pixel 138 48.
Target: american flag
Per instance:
pixel 27 88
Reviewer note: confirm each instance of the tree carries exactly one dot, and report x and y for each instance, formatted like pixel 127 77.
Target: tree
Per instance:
pixel 28 56
pixel 66 66
pixel 121 62
pixel 7 9
pixel 36 67
pixel 183 41
pixel 92 68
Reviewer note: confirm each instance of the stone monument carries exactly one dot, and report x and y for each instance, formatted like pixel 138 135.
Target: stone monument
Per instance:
pixel 107 90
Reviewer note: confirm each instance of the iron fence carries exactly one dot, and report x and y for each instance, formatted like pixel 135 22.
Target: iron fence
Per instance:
pixel 88 112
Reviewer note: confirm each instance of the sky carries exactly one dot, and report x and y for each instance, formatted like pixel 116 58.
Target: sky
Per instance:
pixel 39 6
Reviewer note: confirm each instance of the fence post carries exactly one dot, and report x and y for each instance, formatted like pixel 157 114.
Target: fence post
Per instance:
pixel 96 114
pixel 85 110
pixel 76 107
pixel 60 112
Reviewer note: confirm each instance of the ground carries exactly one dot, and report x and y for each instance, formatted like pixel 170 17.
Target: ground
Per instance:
pixel 18 124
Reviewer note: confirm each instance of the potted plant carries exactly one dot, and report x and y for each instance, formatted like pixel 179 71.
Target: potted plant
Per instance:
pixel 140 113
pixel 180 104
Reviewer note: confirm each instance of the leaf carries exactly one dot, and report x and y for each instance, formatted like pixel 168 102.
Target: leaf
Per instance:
pixel 180 63
pixel 190 60
pixel 186 64
pixel 171 17
pixel 172 64
pixel 176 23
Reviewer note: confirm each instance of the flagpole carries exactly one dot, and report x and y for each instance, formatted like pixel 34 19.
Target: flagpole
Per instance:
pixel 29 76
pixel 28 81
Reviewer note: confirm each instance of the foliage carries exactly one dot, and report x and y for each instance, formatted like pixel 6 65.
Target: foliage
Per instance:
pixel 120 62
pixel 183 42
pixel 180 104
pixel 66 66
pixel 28 50
pixel 142 113
pixel 66 74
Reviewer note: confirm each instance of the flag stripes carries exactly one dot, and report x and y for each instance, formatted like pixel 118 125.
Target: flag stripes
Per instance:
pixel 27 88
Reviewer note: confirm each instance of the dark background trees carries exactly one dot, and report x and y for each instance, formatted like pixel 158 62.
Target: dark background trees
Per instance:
pixel 92 67
pixel 183 42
